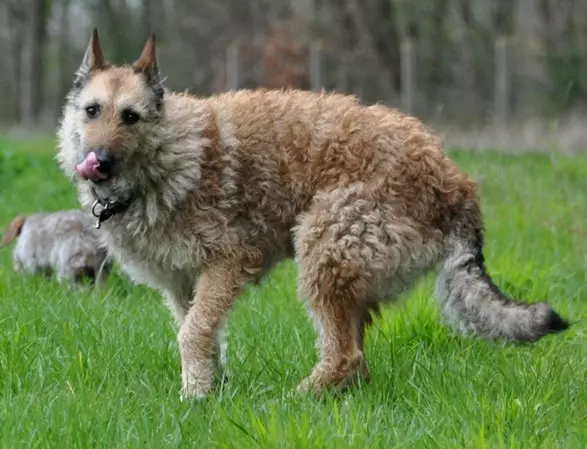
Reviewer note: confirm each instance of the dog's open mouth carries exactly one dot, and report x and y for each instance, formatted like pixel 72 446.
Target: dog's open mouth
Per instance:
pixel 90 168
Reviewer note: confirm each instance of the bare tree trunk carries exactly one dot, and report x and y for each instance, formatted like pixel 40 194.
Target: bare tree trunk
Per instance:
pixel 232 76
pixel 148 17
pixel 353 9
pixel 110 17
pixel 303 10
pixel 65 70
pixel 503 19
pixel 467 63
pixel 436 67
pixel 557 15
pixel 16 21
pixel 531 63
pixel 32 100
pixel 388 40
pixel 316 82
pixel 407 67
pixel 503 25
pixel 502 81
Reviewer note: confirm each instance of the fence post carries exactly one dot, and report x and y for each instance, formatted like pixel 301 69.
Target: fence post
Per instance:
pixel 232 67
pixel 501 82
pixel 341 81
pixel 407 76
pixel 315 66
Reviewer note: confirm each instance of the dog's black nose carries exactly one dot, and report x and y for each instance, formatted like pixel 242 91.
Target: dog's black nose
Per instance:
pixel 106 161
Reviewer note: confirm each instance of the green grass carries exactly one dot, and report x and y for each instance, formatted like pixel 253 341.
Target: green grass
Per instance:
pixel 91 369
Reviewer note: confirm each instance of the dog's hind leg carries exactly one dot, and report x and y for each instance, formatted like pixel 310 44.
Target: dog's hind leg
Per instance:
pixel 341 357
pixel 353 251
pixel 198 337
pixel 334 281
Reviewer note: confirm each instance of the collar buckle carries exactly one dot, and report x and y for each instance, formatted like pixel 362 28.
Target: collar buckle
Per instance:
pixel 109 208
pixel 103 214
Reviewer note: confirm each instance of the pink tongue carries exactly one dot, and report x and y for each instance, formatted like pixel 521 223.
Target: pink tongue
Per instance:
pixel 88 169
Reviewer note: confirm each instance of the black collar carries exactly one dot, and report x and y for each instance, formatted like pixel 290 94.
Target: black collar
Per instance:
pixel 109 208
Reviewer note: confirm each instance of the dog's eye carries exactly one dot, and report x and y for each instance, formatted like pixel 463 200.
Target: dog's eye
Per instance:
pixel 130 117
pixel 92 110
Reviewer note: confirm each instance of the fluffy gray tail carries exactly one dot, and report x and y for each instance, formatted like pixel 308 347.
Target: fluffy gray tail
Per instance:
pixel 470 299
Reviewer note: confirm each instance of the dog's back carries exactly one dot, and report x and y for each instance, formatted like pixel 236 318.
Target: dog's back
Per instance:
pixel 62 242
pixel 78 253
pixel 32 250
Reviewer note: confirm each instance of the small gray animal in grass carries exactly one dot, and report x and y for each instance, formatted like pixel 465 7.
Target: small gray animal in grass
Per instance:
pixel 64 243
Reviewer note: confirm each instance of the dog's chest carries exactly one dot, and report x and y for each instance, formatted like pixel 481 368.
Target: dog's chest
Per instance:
pixel 156 261
pixel 150 274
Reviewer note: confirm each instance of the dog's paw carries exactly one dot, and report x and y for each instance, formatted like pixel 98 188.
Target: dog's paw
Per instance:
pixel 198 390
pixel 196 384
pixel 346 375
pixel 310 385
pixel 186 395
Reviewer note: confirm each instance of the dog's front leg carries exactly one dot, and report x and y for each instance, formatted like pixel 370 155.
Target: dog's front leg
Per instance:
pixel 217 289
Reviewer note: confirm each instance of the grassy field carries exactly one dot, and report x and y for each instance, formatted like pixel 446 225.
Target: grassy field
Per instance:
pixel 80 370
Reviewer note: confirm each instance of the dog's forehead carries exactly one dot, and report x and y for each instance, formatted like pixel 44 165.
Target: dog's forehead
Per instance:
pixel 115 85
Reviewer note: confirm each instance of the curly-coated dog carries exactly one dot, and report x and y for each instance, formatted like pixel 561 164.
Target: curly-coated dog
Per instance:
pixel 199 196
pixel 63 243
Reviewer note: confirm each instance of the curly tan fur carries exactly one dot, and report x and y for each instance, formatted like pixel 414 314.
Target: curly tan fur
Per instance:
pixel 223 188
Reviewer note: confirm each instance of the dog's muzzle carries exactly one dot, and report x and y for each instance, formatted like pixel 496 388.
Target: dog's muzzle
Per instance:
pixel 96 166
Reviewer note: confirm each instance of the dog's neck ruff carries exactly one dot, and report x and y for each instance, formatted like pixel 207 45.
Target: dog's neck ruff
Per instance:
pixel 107 209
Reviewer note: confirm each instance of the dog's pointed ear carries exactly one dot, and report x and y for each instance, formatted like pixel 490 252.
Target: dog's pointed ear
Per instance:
pixel 147 62
pixel 93 59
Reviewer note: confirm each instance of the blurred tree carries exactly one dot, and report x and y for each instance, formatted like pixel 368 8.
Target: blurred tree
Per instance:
pixel 13 43
pixel 66 65
pixel 452 56
pixel 34 69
